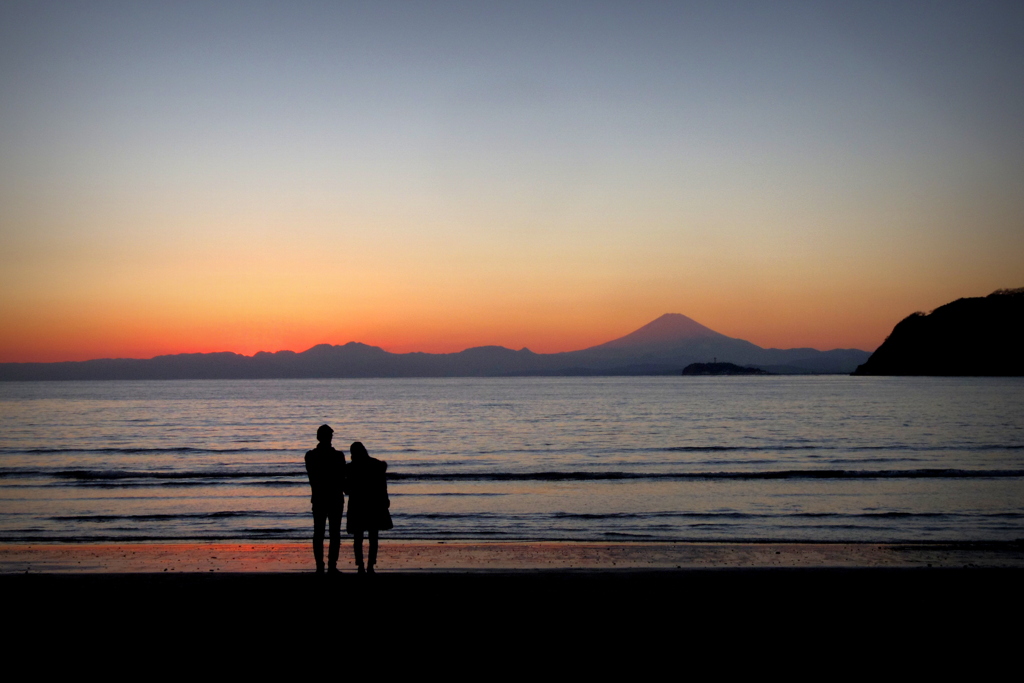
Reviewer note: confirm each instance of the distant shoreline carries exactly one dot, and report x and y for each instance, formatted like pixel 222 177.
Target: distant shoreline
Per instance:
pixel 674 374
pixel 662 347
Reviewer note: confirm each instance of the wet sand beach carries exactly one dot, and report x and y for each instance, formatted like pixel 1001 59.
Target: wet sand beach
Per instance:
pixel 456 556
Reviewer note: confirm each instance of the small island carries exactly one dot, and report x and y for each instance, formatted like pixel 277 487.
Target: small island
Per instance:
pixel 721 369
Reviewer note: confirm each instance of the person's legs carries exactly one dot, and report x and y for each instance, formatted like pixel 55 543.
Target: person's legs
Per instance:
pixel 334 517
pixel 357 548
pixel 373 550
pixel 319 521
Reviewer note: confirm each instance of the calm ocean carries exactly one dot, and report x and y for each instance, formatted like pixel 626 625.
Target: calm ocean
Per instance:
pixel 604 459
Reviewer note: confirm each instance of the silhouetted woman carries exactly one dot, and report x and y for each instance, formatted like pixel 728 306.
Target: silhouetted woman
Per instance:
pixel 368 502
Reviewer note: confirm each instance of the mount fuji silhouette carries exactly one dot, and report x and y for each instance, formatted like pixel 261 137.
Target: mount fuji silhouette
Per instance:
pixel 662 347
pixel 665 332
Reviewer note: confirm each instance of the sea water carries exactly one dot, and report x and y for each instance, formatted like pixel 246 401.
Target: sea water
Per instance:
pixel 830 458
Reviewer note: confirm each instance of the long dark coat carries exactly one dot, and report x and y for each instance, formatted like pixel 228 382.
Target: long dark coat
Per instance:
pixel 368 500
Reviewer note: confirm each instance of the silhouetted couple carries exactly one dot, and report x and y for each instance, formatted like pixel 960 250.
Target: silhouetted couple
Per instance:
pixel 365 481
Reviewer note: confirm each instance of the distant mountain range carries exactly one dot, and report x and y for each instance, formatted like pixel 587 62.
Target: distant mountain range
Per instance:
pixel 979 336
pixel 662 347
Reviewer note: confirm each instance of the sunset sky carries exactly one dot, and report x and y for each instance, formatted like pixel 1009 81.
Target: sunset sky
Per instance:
pixel 222 176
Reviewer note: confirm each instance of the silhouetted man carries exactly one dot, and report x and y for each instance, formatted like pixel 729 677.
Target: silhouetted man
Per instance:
pixel 326 469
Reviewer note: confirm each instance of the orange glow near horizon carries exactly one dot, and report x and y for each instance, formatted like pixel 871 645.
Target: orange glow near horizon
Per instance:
pixel 245 284
pixel 116 333
pixel 137 297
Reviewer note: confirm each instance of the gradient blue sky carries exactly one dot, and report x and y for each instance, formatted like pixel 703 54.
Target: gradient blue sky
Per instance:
pixel 430 176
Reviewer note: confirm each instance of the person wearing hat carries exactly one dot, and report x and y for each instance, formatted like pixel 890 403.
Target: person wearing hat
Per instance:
pixel 326 469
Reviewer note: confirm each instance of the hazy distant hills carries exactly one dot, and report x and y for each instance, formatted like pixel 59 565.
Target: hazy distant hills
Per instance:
pixel 664 346
pixel 979 336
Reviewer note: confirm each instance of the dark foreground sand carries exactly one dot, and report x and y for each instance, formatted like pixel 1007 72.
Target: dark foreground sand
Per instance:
pixel 614 604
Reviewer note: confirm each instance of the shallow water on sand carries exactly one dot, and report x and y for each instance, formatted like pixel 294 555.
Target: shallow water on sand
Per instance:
pixel 636 458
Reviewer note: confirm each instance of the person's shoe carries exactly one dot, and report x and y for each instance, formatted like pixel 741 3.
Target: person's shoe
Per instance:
pixel 360 569
pixel 320 569
pixel 333 570
pixel 369 570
